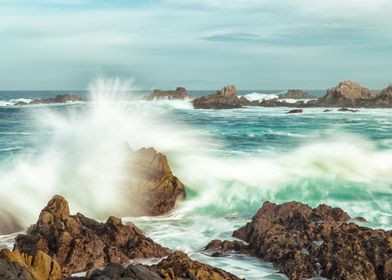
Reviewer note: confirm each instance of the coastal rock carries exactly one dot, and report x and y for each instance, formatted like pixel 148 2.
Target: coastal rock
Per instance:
pixel 245 102
pixel 347 94
pixel 78 243
pixel 295 94
pixel 304 242
pixel 382 100
pixel 179 94
pixel 16 265
pixel 295 111
pixel 226 98
pixel 64 98
pixel 218 248
pixel 344 109
pixel 153 189
pixel 179 266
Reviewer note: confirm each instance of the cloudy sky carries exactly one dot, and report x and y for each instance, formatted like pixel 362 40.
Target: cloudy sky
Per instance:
pixel 199 44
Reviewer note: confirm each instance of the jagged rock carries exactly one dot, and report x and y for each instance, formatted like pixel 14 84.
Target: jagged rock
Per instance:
pixel 78 243
pixel 16 265
pixel 296 94
pixel 347 94
pixel 245 102
pixel 179 266
pixel 180 94
pixel 153 189
pixel 64 98
pixel 226 98
pixel 305 242
pixel 295 111
pixel 218 248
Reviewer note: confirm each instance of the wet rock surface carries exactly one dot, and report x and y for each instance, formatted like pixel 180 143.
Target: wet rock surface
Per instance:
pixel 78 243
pixel 153 189
pixel 305 242
pixel 295 111
pixel 179 94
pixel 218 248
pixel 64 98
pixel 226 98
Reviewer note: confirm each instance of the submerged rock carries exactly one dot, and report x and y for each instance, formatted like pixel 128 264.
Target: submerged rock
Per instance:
pixel 64 98
pixel 295 111
pixel 16 265
pixel 295 94
pixel 179 94
pixel 78 243
pixel 153 189
pixel 344 109
pixel 305 242
pixel 226 98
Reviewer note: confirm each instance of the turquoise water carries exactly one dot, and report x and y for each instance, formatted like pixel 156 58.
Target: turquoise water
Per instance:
pixel 231 161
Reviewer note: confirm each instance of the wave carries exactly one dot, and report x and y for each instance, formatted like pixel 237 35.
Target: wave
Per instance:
pixel 260 96
pixel 12 102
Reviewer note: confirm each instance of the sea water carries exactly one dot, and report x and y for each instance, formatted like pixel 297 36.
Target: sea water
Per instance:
pixel 230 161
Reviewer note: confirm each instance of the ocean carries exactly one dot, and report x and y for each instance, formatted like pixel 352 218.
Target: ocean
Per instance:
pixel 230 161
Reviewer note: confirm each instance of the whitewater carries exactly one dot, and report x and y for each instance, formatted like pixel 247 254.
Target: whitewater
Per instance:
pixel 230 161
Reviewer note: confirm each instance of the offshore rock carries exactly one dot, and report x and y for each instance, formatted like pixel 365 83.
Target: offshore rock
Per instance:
pixel 295 94
pixel 295 111
pixel 153 189
pixel 16 265
pixel 64 98
pixel 344 109
pixel 179 94
pixel 226 98
pixel 78 243
pixel 305 242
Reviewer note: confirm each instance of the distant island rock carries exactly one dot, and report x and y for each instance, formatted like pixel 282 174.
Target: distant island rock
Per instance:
pixel 179 94
pixel 295 94
pixel 64 98
pixel 226 98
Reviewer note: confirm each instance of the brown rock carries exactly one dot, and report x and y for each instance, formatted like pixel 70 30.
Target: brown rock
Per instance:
pixel 179 94
pixel 226 98
pixel 179 266
pixel 64 98
pixel 16 265
pixel 78 243
pixel 153 188
pixel 296 94
pixel 305 242
pixel 217 248
pixel 347 93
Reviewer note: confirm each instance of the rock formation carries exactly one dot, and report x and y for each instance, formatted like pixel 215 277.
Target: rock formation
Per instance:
pixel 16 265
pixel 64 98
pixel 295 111
pixel 153 189
pixel 226 98
pixel 179 94
pixel 78 243
pixel 305 242
pixel 346 94
pixel 295 94
pixel 344 109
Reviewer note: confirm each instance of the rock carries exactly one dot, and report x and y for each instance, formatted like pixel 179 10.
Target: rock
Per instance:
pixel 344 109
pixel 226 98
pixel 16 265
pixel 245 102
pixel 295 111
pixel 64 98
pixel 327 110
pixel 295 94
pixel 153 189
pixel 347 93
pixel 304 242
pixel 217 248
pixel 117 271
pixel 179 266
pixel 78 243
pixel 8 224
pixel 179 94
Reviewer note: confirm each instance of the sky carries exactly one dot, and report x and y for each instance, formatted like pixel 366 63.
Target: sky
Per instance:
pixel 198 44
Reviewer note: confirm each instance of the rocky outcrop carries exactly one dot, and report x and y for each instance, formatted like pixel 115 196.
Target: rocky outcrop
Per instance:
pixel 78 243
pixel 226 98
pixel 347 94
pixel 179 266
pixel 153 189
pixel 295 94
pixel 218 248
pixel 179 94
pixel 305 242
pixel 16 265
pixel 344 109
pixel 64 98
